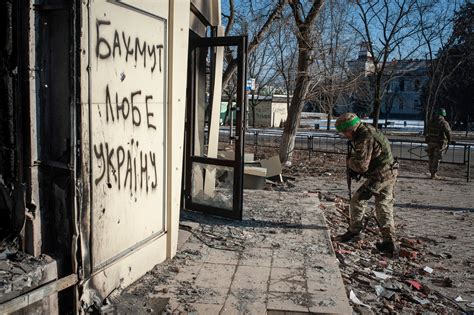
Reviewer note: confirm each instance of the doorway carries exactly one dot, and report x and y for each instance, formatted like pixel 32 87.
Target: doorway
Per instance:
pixel 215 122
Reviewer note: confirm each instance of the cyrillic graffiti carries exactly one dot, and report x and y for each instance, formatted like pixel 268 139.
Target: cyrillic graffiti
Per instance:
pixel 127 108
pixel 124 46
pixel 130 168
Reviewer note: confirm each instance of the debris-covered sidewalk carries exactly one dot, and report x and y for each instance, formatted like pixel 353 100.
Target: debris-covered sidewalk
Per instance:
pixel 278 259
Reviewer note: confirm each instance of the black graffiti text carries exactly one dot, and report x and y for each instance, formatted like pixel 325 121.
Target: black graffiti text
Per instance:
pixel 121 45
pixel 128 168
pixel 126 108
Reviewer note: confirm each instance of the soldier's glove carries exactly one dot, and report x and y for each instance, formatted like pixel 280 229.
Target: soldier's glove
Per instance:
pixel 353 174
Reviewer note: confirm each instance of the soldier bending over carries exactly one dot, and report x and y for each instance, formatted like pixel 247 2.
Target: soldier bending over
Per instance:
pixel 372 158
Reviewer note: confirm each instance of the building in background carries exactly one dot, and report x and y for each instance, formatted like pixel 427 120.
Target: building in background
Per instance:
pixel 404 82
pixel 267 111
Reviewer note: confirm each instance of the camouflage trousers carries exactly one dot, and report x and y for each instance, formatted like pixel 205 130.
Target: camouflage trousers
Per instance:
pixel 435 154
pixel 384 198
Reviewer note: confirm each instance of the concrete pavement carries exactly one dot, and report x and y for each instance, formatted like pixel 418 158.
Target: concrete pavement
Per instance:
pixel 278 260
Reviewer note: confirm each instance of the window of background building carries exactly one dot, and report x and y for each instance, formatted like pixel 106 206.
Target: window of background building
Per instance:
pixel 416 104
pixel 402 85
pixel 417 85
pixel 401 103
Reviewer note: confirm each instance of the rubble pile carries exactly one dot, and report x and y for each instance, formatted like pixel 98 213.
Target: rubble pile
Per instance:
pixel 18 271
pixel 318 164
pixel 379 284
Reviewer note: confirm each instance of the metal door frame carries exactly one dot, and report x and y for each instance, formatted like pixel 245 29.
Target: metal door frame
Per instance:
pixel 237 164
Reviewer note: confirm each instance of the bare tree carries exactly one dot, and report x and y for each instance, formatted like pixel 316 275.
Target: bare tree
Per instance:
pixel 436 19
pixel 259 34
pixel 260 68
pixel 334 45
pixel 388 28
pixel 255 21
pixel 389 101
pixel 304 27
pixel 284 48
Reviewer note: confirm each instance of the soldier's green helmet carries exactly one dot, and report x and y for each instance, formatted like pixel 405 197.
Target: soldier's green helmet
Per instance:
pixel 441 112
pixel 347 121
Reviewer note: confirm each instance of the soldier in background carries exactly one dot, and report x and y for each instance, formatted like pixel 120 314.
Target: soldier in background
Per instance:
pixel 438 135
pixel 371 158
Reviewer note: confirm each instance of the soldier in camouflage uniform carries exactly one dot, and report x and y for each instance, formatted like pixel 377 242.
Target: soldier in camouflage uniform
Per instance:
pixel 438 135
pixel 371 158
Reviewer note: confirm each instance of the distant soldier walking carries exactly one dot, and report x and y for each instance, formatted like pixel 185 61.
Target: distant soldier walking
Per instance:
pixel 438 136
pixel 371 158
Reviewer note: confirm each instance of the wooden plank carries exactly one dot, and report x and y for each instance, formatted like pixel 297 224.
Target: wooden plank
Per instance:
pixel 38 294
pixel 210 180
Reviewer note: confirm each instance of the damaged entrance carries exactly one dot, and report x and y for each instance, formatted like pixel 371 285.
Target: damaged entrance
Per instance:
pixel 215 144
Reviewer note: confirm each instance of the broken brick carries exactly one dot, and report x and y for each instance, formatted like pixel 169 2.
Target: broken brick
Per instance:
pixel 383 263
pixel 415 284
pixel 408 254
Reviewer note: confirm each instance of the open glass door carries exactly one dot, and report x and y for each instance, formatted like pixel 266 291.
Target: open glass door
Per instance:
pixel 215 123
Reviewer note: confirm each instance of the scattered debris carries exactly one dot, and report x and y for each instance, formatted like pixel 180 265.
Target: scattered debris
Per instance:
pixel 356 300
pixel 383 283
pixel 428 269
pixel 415 284
pixel 380 275
pixel 459 299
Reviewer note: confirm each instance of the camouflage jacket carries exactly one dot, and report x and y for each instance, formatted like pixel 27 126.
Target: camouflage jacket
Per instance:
pixel 372 156
pixel 438 131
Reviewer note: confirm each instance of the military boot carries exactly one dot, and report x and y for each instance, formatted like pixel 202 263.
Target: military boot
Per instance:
pixel 434 176
pixel 389 247
pixel 348 236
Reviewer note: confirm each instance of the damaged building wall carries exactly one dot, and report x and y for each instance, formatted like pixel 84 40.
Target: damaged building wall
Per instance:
pixel 103 95
pixel 7 119
pixel 124 135
pixel 132 128
pixel 7 66
pixel 12 175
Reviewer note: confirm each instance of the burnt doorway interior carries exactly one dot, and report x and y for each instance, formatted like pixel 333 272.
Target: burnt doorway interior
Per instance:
pixel 56 128
pixel 54 157
pixel 215 122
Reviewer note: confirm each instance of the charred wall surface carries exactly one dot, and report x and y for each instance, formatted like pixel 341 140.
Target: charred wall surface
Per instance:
pixel 56 99
pixel 50 47
pixel 7 66
pixel 11 139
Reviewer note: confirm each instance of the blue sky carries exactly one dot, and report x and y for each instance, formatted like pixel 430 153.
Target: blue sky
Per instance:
pixel 443 9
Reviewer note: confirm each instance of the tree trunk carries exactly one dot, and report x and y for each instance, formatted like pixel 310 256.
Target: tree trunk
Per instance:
pixel 227 116
pixel 376 112
pixel 253 116
pixel 466 123
pixel 302 76
pixel 377 101
pixel 296 106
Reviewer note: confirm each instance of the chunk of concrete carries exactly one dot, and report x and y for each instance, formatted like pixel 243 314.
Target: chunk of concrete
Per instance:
pixel 273 166
pixel 254 177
